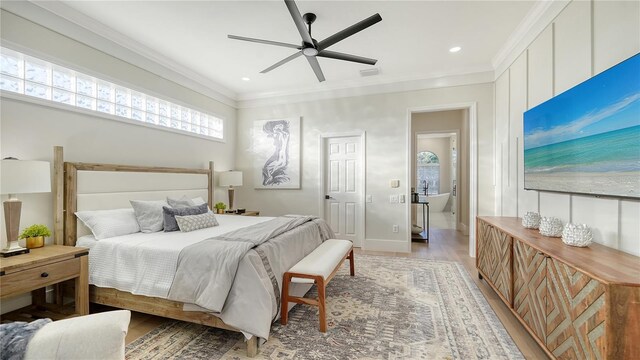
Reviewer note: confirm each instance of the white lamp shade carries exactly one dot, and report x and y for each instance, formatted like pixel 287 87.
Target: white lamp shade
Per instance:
pixel 24 176
pixel 230 178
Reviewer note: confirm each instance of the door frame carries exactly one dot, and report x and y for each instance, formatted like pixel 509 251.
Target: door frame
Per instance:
pixel 321 173
pixel 472 108
pixel 415 150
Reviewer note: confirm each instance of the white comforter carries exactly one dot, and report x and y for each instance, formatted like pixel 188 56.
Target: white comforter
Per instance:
pixel 145 264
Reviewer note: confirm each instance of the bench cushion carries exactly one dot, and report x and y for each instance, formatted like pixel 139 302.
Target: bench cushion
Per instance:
pixel 323 260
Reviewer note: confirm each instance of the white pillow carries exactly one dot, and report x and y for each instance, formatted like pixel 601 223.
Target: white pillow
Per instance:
pixel 149 214
pixel 184 201
pixel 109 223
pixel 198 201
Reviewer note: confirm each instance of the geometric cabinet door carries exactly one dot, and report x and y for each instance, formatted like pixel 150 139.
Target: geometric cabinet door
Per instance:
pixel 530 288
pixel 575 313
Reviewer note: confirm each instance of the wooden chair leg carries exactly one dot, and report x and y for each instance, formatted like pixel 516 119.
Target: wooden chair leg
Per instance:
pixel 321 305
pixel 352 265
pixel 284 299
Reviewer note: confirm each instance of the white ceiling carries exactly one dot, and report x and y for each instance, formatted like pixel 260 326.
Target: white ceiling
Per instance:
pixel 411 42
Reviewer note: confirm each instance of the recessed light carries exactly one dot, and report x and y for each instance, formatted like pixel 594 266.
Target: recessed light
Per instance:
pixel 245 78
pixel 455 49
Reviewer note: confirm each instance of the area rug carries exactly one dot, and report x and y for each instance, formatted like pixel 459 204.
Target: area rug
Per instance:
pixel 394 308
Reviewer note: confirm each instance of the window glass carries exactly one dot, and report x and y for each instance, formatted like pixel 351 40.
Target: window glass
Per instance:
pixel 29 76
pixel 428 173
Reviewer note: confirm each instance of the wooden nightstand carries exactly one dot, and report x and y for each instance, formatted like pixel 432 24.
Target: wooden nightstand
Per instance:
pixel 46 266
pixel 246 213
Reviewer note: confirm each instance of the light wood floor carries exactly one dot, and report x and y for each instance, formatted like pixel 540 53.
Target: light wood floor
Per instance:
pixel 447 245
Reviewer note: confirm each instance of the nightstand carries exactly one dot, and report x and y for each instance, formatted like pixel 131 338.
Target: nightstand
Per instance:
pixel 46 266
pixel 246 213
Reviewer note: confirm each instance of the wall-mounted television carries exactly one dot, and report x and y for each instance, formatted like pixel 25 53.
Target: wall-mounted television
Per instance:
pixel 587 139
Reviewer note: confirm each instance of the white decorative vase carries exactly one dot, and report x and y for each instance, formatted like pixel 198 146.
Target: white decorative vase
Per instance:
pixel 531 220
pixel 550 226
pixel 577 235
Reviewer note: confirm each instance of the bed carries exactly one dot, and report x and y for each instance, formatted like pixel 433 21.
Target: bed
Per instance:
pixel 136 271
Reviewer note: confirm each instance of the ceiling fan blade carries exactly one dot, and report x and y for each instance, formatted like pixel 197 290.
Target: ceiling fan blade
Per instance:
pixel 316 67
pixel 268 42
pixel 346 57
pixel 281 62
pixel 357 27
pixel 297 18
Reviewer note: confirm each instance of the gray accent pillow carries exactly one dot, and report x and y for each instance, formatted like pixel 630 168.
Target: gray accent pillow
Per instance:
pixel 169 215
pixel 182 202
pixel 196 222
pixel 149 214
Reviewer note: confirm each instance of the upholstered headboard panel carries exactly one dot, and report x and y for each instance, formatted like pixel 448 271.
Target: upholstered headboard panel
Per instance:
pixel 113 190
pixel 88 186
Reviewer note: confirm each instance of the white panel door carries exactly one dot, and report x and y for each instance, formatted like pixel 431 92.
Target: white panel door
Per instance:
pixel 342 184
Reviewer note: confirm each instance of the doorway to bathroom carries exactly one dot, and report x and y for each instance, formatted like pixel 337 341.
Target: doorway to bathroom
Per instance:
pixel 436 178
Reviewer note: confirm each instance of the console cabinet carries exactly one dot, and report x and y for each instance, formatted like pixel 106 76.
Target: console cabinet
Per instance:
pixel 577 303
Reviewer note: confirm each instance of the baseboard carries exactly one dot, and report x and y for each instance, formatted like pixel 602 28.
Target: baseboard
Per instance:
pixel 386 245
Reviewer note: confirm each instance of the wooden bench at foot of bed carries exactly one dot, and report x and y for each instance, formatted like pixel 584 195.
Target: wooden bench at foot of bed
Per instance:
pixel 319 267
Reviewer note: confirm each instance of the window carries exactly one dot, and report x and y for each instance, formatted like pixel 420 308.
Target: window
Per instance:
pixel 428 171
pixel 23 74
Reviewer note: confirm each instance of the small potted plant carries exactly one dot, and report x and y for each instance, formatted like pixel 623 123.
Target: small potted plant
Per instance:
pixel 34 235
pixel 220 207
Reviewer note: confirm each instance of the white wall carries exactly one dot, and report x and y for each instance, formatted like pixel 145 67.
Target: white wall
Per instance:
pixel 384 118
pixel 586 38
pixel 29 130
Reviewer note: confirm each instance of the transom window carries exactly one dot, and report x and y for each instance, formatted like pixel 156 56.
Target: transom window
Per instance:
pixel 23 74
pixel 428 172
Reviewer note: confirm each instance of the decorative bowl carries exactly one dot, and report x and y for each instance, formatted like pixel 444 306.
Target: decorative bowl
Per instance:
pixel 531 220
pixel 550 226
pixel 577 235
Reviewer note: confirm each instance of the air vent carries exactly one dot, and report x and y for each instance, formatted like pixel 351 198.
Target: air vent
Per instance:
pixel 369 72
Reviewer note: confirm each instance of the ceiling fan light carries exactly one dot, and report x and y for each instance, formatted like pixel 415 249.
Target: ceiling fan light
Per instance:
pixel 310 51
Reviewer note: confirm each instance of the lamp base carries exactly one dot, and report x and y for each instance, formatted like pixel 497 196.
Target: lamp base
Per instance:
pixel 13 249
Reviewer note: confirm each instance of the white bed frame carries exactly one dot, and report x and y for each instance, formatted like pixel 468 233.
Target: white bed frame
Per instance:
pixel 65 191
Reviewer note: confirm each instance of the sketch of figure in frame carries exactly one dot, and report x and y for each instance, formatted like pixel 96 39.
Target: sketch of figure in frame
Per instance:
pixel 275 169
pixel 276 153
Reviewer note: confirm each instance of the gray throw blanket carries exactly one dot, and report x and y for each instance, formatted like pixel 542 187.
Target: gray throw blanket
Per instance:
pixel 15 336
pixel 206 270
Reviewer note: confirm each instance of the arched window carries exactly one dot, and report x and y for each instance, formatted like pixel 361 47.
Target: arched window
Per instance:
pixel 428 169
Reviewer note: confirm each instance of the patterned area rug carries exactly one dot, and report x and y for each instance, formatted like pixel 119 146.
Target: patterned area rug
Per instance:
pixel 394 308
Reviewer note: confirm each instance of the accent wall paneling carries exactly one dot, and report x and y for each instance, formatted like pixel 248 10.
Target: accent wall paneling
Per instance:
pixel 501 127
pixel 572 46
pixel 586 38
pixel 616 32
pixel 540 68
pixel 517 105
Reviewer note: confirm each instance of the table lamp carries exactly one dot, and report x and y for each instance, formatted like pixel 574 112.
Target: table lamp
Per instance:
pixel 20 177
pixel 230 178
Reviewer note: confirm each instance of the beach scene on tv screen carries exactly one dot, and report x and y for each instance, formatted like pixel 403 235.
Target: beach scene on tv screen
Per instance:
pixel 587 139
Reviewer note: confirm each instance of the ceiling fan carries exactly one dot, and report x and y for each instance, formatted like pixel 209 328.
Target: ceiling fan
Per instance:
pixel 311 48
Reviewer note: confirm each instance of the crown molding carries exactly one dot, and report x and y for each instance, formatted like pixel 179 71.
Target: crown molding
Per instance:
pixel 73 24
pixel 393 85
pixel 537 19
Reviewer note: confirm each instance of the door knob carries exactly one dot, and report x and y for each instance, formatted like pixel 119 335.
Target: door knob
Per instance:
pixel 327 197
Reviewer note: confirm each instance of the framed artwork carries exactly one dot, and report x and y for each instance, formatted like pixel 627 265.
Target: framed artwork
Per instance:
pixel 276 153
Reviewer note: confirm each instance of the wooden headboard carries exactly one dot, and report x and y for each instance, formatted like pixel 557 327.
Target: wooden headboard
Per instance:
pixel 65 200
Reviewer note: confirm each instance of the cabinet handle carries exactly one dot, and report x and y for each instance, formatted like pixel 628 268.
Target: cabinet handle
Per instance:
pixel 44 274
